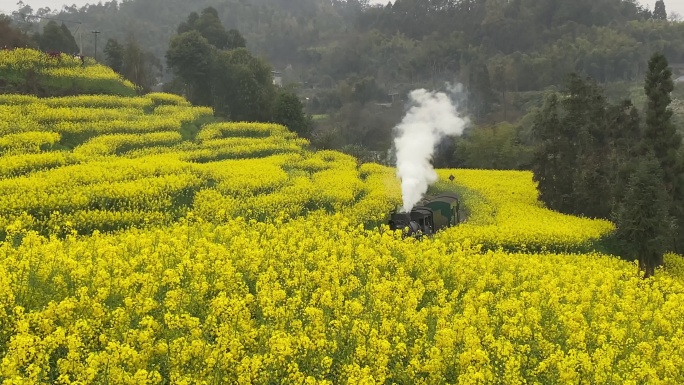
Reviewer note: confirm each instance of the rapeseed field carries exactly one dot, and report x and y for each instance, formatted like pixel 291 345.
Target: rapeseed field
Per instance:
pixel 144 244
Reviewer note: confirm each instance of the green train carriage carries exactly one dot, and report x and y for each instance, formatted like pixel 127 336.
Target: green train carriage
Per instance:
pixel 429 216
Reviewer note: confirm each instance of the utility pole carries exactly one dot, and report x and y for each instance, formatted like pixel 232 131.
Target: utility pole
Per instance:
pixel 95 33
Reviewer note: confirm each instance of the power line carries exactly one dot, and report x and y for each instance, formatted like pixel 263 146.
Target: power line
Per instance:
pixel 46 18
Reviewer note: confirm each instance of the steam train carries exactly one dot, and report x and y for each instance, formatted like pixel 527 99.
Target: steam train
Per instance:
pixel 429 216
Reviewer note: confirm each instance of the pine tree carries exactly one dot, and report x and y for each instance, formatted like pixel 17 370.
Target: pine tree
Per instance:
pixel 660 134
pixel 570 162
pixel 134 68
pixel 57 38
pixel 235 40
pixel 662 139
pixel 114 55
pixel 624 136
pixel 659 13
pixel 70 45
pixel 552 165
pixel 642 219
pixel 584 128
pixel 482 96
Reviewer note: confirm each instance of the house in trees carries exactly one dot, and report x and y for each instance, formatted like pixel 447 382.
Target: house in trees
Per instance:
pixel 677 71
pixel 277 78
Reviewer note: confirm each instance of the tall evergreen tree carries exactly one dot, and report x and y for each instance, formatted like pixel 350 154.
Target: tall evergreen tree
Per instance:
pixel 57 38
pixel 624 136
pixel 660 134
pixel 189 24
pixel 482 96
pixel 584 128
pixel 584 150
pixel 569 163
pixel 642 219
pixel 134 68
pixel 235 40
pixel 659 12
pixel 662 139
pixel 70 44
pixel 114 55
pixel 552 163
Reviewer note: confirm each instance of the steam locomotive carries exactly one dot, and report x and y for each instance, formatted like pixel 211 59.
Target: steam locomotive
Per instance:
pixel 429 216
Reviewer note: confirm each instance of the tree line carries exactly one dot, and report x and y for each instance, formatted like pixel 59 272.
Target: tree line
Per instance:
pixel 353 60
pixel 602 160
pixel 214 68
pixel 55 37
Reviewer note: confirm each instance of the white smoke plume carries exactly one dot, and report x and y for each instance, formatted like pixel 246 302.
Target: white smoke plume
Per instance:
pixel 432 117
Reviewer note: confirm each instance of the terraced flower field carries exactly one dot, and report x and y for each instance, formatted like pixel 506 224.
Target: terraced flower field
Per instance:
pixel 31 69
pixel 145 243
pixel 505 213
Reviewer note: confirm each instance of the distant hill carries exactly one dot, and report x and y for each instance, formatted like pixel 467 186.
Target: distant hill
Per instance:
pixel 349 60
pixel 535 41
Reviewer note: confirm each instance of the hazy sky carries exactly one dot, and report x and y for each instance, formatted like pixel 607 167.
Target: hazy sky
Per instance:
pixel 11 5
